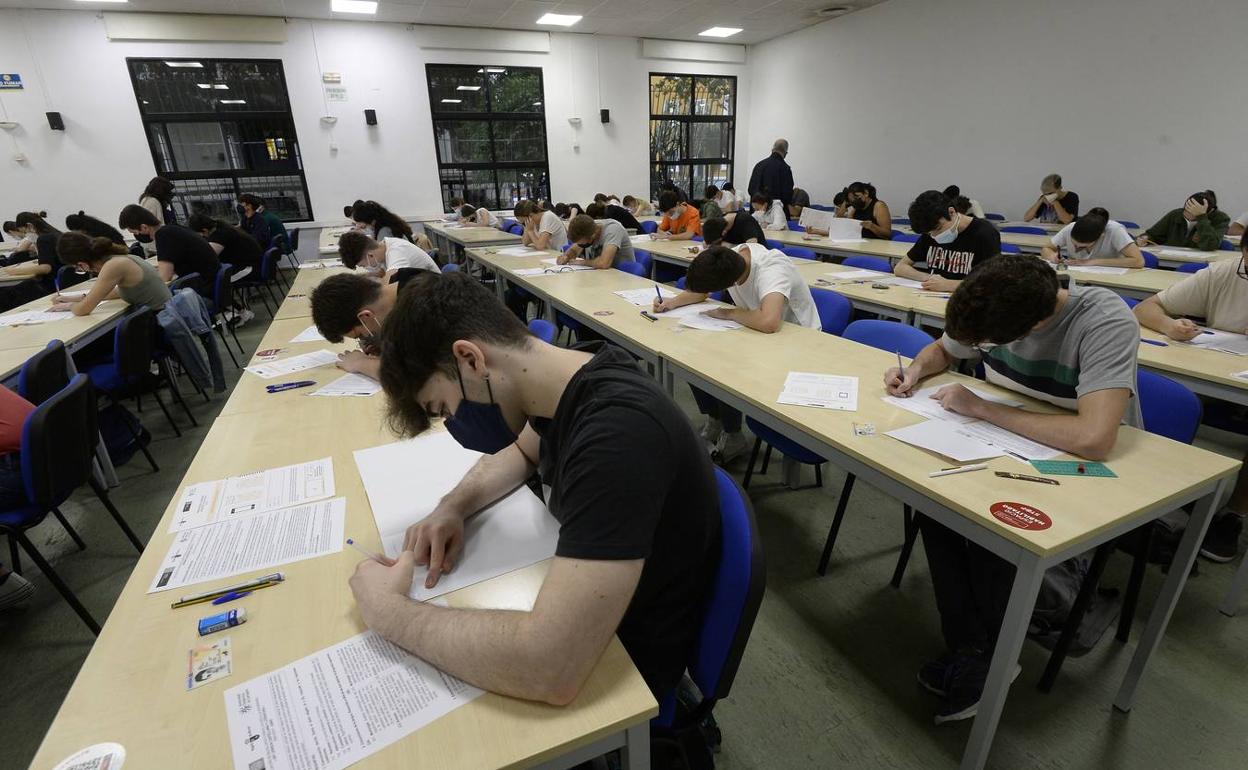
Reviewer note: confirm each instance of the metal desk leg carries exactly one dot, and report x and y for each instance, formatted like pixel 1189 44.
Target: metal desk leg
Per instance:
pixel 1027 578
pixel 1169 596
pixel 635 754
pixel 792 472
pixel 1238 585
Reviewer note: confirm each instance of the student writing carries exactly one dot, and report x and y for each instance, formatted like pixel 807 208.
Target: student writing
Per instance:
pixel 1094 239
pixel 950 244
pixel 601 244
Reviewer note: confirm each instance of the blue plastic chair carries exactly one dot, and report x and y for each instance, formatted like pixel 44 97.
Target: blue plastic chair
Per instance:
pixel 1227 245
pixel 890 336
pixel 506 224
pixel 879 264
pixel 1131 301
pixel 1009 248
pixel 901 221
pixel 1127 223
pixel 1192 267
pixel 222 300
pixel 57 455
pixel 544 330
pixel 644 258
pixel 649 226
pixel 68 276
pixel 698 239
pixel 727 618
pixel 129 373
pixel 632 267
pixel 1150 259
pixel 905 237
pixel 801 252
pixel 450 267
pixel 718 296
pixel 516 229
pixel 994 217
pixel 1169 408
pixel 772 244
pixel 1024 230
pixel 834 310
pixel 795 227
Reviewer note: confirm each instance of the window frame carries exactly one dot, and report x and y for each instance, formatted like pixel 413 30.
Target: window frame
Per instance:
pixel 687 121
pixel 488 117
pixel 219 118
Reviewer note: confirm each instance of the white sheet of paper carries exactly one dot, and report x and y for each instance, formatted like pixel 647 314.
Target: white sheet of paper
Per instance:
pixel 309 334
pixel 1097 269
pixel 696 308
pixel 1188 253
pixel 519 251
pixel 533 272
pixel 897 280
pixel 252 493
pixel 843 229
pixel 857 275
pixel 1001 438
pixel 816 218
pixel 641 238
pixel 337 706
pixel 351 384
pixel 404 482
pixel 235 546
pixel 554 262
pixel 847 241
pixel 319 264
pixel 644 297
pixel 1225 342
pixel 34 317
pixel 270 369
pixel 923 403
pixel 706 323
pixel 945 438
pixel 826 391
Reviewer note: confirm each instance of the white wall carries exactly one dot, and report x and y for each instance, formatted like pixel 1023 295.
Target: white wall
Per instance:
pixel 102 161
pixel 1134 102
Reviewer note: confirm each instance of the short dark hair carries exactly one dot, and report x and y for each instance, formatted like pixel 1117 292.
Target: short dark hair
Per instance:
pixel 596 210
pixel 599 197
pixel 760 198
pixel 251 199
pixel 928 209
pixel 352 246
pixel 10 226
pixel 581 226
pixel 431 314
pixel 1002 300
pixel 336 303
pixel 952 191
pixel 862 187
pixel 713 229
pixel 134 216
pixel 200 222
pixel 524 208
pixel 667 200
pixel 467 210
pixel 1088 227
pixel 727 186
pixel 962 205
pixel 562 210
pixel 715 269
pixel 711 191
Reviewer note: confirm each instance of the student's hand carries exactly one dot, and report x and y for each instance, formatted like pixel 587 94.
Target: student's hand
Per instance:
pixel 959 399
pixel 896 385
pixel 1194 209
pixel 1182 329
pixel 663 305
pixel 937 283
pixel 1143 240
pixel 660 235
pixel 353 361
pixel 61 306
pixel 563 258
pixel 437 540
pixel 375 587
pixel 722 313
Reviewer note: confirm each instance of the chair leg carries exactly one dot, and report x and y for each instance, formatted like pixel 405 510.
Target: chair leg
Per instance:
pixel 1143 544
pixel 173 424
pixel 15 556
pixel 72 533
pixel 56 581
pixel 766 460
pixel 911 520
pixel 268 288
pixel 225 343
pixel 836 523
pixel 102 493
pixel 1086 591
pixel 758 442
pixel 134 434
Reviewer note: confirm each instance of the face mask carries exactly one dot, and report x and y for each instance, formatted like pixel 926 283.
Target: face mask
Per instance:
pixel 370 232
pixel 369 340
pixel 479 427
pixel 948 236
pixel 1051 197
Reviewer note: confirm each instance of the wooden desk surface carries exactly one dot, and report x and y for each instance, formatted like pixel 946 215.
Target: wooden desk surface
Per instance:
pixel 68 330
pixel 329 238
pixel 1181 255
pixel 469 236
pixel 1192 361
pixel 11 360
pixel 1142 281
pixel 298 302
pixel 871 247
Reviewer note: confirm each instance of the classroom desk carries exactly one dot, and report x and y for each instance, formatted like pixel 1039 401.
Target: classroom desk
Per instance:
pixel 298 302
pixel 1207 372
pixel 329 239
pixel 131 689
pixel 1140 284
pixel 1179 256
pixel 451 239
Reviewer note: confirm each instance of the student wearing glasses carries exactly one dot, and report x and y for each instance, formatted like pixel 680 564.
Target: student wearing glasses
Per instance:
pixel 1093 239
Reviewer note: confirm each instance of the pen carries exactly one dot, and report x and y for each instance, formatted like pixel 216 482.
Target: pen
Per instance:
pixel 275 577
pixel 255 586
pixel 658 293
pixel 649 316
pixel 1158 343
pixel 960 469
pixel 231 596
pixel 289 386
pixel 900 366
pixel 372 556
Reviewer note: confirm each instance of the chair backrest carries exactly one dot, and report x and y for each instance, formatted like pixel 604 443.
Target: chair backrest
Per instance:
pixel 1192 267
pixel 132 343
pixel 905 237
pixel 223 288
pixel 801 252
pixel 516 229
pixel 542 329
pixel 793 225
pixel 1169 408
pixel 506 224
pixel 188 281
pixel 268 264
pixel 1009 248
pixel 901 221
pixel 697 239
pixel 450 267
pixel 632 267
pixel 1128 224
pixel 44 374
pixel 58 441
pixel 773 244
pixel 1150 259
pixel 69 276
pixel 649 226
pixel 1024 230
pixel 878 264
pixel 644 258
pixel 294 238
pixel 888 335
pixel 994 217
pixel 834 310
pixel 718 296
pixel 1131 301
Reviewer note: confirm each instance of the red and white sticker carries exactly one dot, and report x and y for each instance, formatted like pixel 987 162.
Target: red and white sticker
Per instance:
pixel 1021 516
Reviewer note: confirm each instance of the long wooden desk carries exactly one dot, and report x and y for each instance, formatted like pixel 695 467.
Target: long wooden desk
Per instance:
pixel 329 239
pixel 451 239
pixel 132 690
pixel 1083 517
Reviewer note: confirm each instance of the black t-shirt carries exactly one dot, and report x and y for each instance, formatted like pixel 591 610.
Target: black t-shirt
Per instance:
pixel 623 216
pixel 238 248
pixel 45 245
pixel 1069 201
pixel 867 214
pixel 188 252
pixel 630 480
pixel 405 274
pixel 744 227
pixel 978 242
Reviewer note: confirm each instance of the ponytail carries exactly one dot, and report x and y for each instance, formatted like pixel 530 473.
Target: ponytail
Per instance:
pixel 75 247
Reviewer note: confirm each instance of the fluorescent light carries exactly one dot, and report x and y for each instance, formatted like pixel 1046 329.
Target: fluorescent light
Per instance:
pixel 232 101
pixel 200 65
pixel 204 85
pixel 720 32
pixel 559 19
pixel 217 86
pixel 452 101
pixel 103 1
pixel 468 88
pixel 353 6
pixel 496 69
pixel 537 104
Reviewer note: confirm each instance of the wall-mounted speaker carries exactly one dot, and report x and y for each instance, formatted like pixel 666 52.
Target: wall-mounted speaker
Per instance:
pixel 54 120
pixel 605 115
pixel 370 117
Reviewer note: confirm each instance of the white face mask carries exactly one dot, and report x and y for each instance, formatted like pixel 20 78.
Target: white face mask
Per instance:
pixel 947 237
pixel 1050 197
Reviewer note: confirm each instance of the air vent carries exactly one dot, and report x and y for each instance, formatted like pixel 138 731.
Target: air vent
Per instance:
pixel 832 11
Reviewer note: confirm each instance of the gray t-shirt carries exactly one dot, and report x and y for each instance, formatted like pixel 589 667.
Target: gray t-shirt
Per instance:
pixel 613 234
pixel 1108 246
pixel 1091 345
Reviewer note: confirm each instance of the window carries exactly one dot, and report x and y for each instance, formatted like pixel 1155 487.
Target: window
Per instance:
pixel 489 130
pixel 221 127
pixel 692 130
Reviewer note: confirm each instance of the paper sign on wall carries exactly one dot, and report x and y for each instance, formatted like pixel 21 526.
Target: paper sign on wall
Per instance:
pixel 10 81
pixel 335 94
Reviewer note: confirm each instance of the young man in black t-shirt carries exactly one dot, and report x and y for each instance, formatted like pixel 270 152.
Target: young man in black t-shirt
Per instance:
pixel 734 229
pixel 950 244
pixel 179 250
pixel 630 484
pixel 233 245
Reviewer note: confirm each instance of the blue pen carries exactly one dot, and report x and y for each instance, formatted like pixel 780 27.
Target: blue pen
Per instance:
pixel 1158 343
pixel 289 386
pixel 658 293
pixel 231 596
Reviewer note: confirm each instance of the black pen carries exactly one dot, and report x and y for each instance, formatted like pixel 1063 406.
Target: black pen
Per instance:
pixel 649 316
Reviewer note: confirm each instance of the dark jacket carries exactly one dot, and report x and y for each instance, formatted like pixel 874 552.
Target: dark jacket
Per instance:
pixel 773 178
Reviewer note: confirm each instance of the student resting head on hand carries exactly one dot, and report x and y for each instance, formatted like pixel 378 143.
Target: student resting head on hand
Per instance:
pixel 1198 225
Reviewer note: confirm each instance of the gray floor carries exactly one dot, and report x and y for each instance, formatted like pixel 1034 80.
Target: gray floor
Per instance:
pixel 828 678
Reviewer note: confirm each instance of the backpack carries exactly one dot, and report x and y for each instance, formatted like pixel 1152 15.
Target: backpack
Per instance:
pixel 118 428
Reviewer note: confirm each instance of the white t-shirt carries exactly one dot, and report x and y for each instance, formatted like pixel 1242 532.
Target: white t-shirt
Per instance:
pixel 772 271
pixel 551 223
pixel 1241 220
pixel 773 218
pixel 489 217
pixel 977 210
pixel 1108 246
pixel 727 202
pixel 401 253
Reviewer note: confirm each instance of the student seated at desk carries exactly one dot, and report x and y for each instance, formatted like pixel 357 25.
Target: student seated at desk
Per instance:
pixel 861 204
pixel 457 204
pixel 612 211
pixel 950 244
pixel 639 207
pixel 95 228
pixel 254 206
pixel 636 551
pixel 799 201
pixel 1054 203
pixel 1218 294
pixel 179 250
pixel 768 213
pixel 35 225
pixel 767 290
pixel 1198 225
pixel 377 221
pixel 680 220
pixel 601 244
pixel 355 307
pixel 733 230
pixel 1238 224
pixel 481 217
pixel 382 256
pixel 963 204
pixel 119 274
pixel 232 244
pixel 1093 239
pixel 1073 348
pixel 37 276
pixel 25 248
pixel 542 229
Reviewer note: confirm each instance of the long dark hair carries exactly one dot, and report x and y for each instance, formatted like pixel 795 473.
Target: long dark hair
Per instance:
pixel 161 189
pixel 379 216
pixel 75 247
pixel 85 223
pixel 30 218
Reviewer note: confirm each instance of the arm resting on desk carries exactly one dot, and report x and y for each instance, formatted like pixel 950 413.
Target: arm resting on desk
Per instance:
pixel 906 269
pixel 1152 314
pixel 768 318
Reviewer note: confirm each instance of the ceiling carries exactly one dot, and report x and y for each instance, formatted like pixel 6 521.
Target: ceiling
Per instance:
pixel 663 19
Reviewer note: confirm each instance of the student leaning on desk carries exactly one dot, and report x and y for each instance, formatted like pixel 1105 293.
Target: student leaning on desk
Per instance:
pixel 636 550
pixel 1218 294
pixel 355 307
pixel 542 229
pixel 1074 348
pixel 950 244
pixel 1198 225
pixel 1093 239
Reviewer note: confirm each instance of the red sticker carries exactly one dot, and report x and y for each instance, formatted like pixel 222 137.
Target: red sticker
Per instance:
pixel 1021 516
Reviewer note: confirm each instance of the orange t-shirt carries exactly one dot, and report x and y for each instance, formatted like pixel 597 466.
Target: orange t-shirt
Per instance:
pixel 688 220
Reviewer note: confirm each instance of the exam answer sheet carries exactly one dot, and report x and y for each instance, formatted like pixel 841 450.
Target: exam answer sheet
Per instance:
pixel 267 490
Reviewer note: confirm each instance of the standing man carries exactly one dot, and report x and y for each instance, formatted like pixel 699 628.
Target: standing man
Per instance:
pixel 772 175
